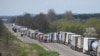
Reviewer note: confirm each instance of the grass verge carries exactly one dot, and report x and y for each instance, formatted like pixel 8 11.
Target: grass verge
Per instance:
pixel 30 49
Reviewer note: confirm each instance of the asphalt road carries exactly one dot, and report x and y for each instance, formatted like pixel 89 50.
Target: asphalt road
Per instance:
pixel 63 50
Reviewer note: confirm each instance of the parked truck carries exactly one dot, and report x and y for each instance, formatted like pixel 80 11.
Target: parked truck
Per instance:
pixel 59 37
pixel 46 38
pixel 98 51
pixel 53 37
pixel 77 42
pixel 68 38
pixel 90 46
pixel 31 33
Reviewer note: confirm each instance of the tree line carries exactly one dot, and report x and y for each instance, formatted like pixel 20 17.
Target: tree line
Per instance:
pixel 51 23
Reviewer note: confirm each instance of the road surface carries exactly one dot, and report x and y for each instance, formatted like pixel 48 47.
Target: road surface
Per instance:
pixel 63 50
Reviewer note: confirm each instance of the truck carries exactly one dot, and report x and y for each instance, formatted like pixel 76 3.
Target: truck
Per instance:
pixel 59 37
pixel 63 37
pixel 53 37
pixel 31 33
pixel 77 42
pixel 98 51
pixel 68 38
pixel 46 38
pixel 88 45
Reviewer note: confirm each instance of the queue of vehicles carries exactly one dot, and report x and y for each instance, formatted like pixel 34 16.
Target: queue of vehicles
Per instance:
pixel 87 45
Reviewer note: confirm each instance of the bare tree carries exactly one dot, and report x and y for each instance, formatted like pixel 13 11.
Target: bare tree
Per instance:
pixel 68 15
pixel 51 15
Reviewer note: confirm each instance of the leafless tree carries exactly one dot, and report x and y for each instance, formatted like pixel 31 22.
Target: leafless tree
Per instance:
pixel 68 15
pixel 51 15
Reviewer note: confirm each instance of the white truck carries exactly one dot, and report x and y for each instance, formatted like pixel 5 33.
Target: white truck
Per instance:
pixel 77 42
pixel 68 38
pixel 53 37
pixel 59 37
pixel 46 38
pixel 31 33
pixel 18 28
pixel 40 36
pixel 98 51
pixel 88 44
pixel 64 35
pixel 22 30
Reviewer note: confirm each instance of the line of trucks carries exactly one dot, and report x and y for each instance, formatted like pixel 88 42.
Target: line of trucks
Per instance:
pixel 87 45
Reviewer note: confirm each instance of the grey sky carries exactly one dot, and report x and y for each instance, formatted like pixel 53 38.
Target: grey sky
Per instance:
pixel 16 7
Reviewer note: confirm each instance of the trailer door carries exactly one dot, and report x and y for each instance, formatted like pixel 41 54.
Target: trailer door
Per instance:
pixel 76 42
pixel 65 38
pixel 90 42
pixel 52 35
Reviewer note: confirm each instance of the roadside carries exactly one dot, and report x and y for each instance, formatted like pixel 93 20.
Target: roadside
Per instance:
pixel 63 50
pixel 29 47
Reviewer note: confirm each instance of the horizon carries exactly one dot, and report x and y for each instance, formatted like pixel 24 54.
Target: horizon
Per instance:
pixel 44 13
pixel 20 7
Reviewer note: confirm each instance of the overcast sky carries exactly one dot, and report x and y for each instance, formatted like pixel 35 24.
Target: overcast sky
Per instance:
pixel 17 7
